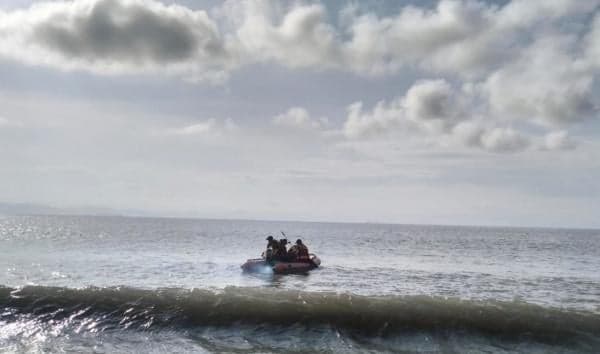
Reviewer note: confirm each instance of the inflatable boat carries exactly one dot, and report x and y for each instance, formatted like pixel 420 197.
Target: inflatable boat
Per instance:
pixel 260 265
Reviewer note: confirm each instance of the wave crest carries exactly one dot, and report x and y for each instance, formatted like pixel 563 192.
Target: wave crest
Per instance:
pixel 377 315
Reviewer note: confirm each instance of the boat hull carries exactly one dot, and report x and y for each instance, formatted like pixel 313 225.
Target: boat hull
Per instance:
pixel 260 265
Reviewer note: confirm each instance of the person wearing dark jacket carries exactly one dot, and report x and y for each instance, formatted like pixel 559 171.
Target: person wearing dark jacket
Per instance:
pixel 272 248
pixel 271 242
pixel 282 252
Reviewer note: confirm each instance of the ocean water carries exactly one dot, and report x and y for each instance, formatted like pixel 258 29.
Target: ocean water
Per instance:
pixel 116 284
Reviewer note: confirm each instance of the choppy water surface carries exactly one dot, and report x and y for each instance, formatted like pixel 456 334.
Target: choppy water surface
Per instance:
pixel 112 284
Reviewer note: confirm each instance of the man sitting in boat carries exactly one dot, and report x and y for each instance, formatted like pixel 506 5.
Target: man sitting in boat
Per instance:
pixel 299 252
pixel 283 252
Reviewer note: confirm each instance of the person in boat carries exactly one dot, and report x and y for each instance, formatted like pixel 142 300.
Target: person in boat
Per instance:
pixel 282 253
pixel 271 243
pixel 272 248
pixel 276 250
pixel 299 252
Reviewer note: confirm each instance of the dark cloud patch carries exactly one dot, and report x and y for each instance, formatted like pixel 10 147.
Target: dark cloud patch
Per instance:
pixel 128 32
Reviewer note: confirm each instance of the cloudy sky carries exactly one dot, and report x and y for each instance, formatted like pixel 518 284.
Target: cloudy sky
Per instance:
pixel 445 112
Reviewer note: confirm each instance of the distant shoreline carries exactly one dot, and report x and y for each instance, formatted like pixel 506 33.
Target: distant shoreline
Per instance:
pixel 58 212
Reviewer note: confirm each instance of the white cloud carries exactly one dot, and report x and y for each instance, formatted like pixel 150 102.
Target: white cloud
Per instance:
pixel 504 140
pixel 546 84
pixel 493 139
pixel 468 133
pixel 297 37
pixel 197 128
pixel 433 101
pixel 467 38
pixel 592 41
pixel 524 13
pixel 428 105
pixel 379 121
pixel 433 108
pixel 414 35
pixel 558 140
pixel 530 61
pixel 209 127
pixel 297 118
pixel 547 78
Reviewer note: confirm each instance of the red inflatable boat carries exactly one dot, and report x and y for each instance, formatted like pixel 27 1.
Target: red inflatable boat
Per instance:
pixel 259 265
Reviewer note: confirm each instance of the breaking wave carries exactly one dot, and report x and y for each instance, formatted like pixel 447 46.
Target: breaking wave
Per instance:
pixel 122 307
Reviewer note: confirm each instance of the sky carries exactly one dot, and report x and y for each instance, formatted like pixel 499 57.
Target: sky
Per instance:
pixel 438 112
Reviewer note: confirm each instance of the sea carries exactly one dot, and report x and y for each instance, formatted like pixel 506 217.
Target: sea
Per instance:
pixel 109 284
